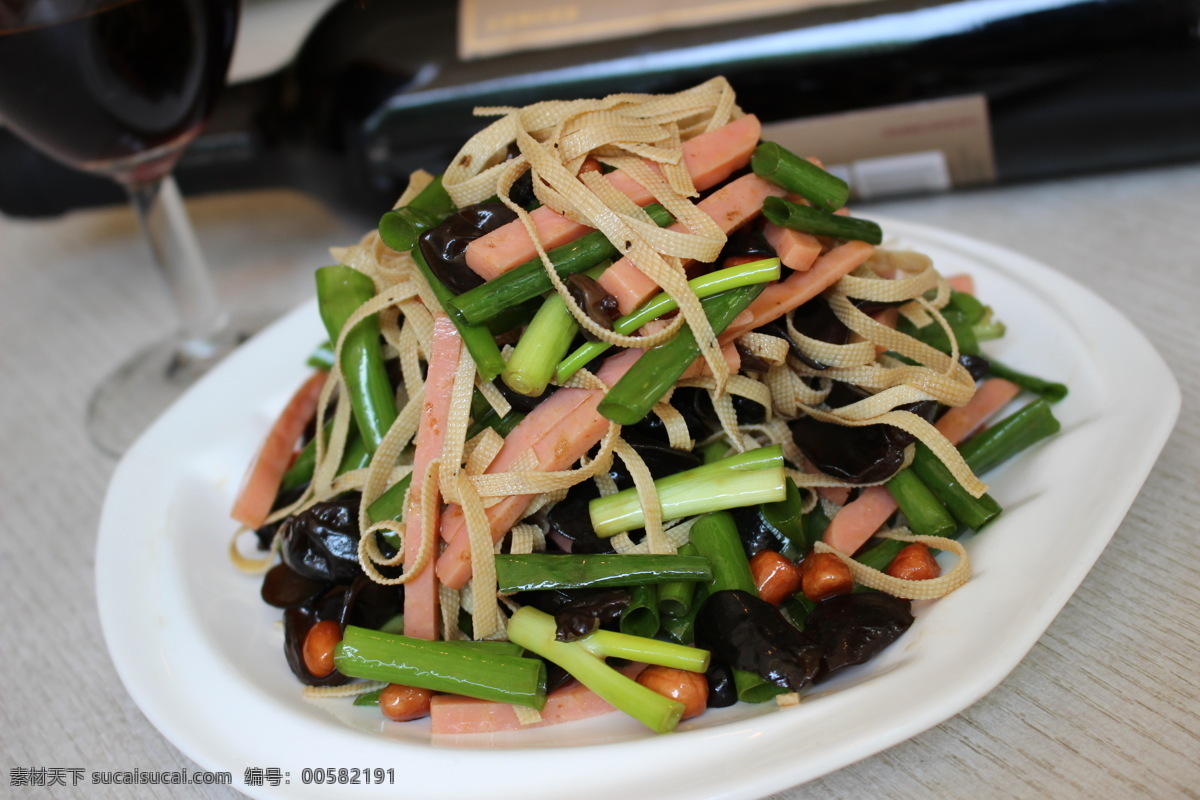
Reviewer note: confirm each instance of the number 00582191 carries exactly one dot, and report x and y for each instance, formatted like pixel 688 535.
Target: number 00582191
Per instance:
pixel 344 775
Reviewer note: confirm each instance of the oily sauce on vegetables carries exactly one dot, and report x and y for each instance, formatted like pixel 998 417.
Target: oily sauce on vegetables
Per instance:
pixel 740 577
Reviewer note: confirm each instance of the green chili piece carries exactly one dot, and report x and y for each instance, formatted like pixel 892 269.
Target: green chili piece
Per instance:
pixel 815 523
pixel 968 305
pixel 974 512
pixel 400 228
pixel 925 513
pixel 390 504
pixel 714 450
pixel 880 554
pixel 796 609
pixel 640 617
pixel 322 357
pixel 513 317
pixel 659 368
pixel 340 292
pixel 716 537
pixel 752 688
pixel 675 597
pixel 799 176
pixel 807 219
pixel 520 573
pixel 354 456
pixel 681 629
pixel 1021 429
pixel 935 336
pixel 484 416
pixel 477 338
pixel 441 667
pixel 433 199
pixel 786 518
pixel 1051 391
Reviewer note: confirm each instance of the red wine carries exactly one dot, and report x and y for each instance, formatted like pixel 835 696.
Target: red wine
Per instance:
pixel 977 91
pixel 116 86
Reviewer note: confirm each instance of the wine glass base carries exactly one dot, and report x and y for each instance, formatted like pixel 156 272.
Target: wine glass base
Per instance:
pixel 139 390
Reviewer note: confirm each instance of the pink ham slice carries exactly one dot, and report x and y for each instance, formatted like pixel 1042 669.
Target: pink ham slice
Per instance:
pixel 559 432
pixel 421 592
pixel 857 521
pixel 454 714
pixel 699 368
pixel 257 495
pixel 710 158
pixel 799 287
pixel 731 207
pixel 962 283
pixel 798 251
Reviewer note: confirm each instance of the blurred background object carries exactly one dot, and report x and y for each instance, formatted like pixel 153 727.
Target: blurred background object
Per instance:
pixel 901 96
pixel 117 89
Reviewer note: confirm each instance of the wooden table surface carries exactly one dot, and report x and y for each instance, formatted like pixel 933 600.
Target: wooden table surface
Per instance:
pixel 1106 705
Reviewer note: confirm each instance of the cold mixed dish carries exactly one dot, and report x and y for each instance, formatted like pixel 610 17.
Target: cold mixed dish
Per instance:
pixel 624 410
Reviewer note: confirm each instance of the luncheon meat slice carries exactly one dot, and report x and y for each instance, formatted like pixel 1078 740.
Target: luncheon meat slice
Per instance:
pixel 556 438
pixel 421 618
pixel 797 251
pixel 799 287
pixel 710 158
pixel 731 207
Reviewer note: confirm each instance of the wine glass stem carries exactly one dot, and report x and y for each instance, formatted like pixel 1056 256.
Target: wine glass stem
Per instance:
pixel 163 218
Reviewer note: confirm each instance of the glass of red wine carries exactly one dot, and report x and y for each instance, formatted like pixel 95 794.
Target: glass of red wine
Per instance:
pixel 119 88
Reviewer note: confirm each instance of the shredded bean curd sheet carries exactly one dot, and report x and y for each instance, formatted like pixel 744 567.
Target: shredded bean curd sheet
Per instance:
pixel 624 131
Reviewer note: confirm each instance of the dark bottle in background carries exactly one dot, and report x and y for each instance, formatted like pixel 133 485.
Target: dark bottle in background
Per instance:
pixel 906 95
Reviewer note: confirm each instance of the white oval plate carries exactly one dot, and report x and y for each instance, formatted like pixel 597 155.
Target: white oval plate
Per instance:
pixel 201 654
